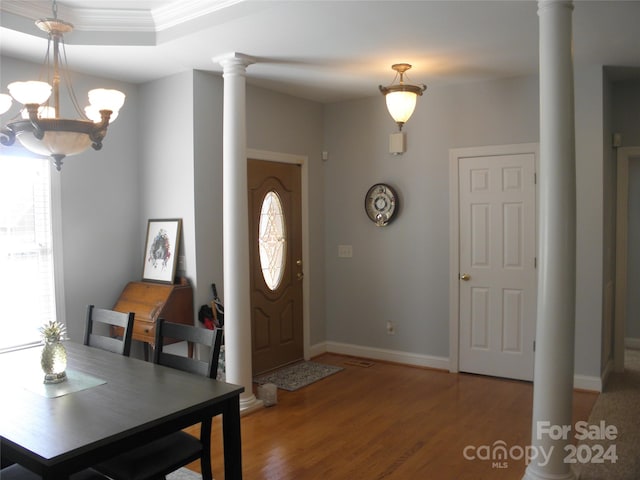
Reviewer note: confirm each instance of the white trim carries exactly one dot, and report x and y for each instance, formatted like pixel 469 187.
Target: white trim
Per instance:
pixel 580 382
pixel 606 371
pixel 182 11
pixel 632 343
pixel 405 358
pixel 317 349
pixel 624 156
pixel 56 232
pixel 146 20
pixel 303 161
pixel 586 382
pixel 454 259
pixel 455 154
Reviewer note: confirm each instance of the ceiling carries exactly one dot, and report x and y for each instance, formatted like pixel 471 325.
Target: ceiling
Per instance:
pixel 322 50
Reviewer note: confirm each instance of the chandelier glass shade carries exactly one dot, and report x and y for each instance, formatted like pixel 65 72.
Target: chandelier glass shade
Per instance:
pixel 401 97
pixel 5 103
pixel 40 127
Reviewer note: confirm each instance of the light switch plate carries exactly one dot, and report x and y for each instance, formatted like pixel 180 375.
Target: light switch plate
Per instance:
pixel 345 251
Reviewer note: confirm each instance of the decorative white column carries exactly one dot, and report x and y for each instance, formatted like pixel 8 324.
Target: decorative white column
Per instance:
pixel 554 357
pixel 235 208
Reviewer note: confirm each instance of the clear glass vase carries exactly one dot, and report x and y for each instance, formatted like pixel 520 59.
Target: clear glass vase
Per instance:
pixel 54 362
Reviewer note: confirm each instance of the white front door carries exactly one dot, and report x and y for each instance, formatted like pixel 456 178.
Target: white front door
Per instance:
pixel 497 249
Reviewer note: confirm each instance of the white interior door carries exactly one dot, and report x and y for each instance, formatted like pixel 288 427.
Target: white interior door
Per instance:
pixel 497 288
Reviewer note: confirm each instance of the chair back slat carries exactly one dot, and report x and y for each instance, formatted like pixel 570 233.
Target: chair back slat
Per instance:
pixel 175 331
pixel 108 319
pixel 114 345
pixel 184 363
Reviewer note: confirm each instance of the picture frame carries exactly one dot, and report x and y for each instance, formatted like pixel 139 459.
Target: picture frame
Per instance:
pixel 161 250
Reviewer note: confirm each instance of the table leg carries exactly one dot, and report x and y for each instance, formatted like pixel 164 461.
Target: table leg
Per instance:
pixel 232 440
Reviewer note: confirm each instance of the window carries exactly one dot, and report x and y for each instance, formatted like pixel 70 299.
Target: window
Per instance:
pixel 272 240
pixel 27 281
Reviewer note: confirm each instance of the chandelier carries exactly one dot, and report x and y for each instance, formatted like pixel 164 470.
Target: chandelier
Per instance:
pixel 401 97
pixel 39 126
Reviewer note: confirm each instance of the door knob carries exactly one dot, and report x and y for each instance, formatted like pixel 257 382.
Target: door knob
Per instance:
pixel 300 276
pixel 465 276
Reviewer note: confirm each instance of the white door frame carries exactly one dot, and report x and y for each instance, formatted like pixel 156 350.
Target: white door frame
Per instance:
pixel 622 207
pixel 303 161
pixel 454 231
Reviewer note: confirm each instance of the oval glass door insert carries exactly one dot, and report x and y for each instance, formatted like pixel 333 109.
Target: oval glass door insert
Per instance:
pixel 272 240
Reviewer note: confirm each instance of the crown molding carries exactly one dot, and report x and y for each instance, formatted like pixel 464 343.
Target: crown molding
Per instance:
pixel 120 20
pixel 182 11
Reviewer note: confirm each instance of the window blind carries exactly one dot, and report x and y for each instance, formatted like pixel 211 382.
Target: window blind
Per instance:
pixel 27 285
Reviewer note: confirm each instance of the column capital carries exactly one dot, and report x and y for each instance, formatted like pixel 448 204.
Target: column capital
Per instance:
pixel 234 59
pixel 547 4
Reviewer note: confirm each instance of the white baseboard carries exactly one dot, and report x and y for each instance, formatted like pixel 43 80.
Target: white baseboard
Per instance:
pixel 406 358
pixel 317 349
pixel 581 382
pixel 633 343
pixel 584 382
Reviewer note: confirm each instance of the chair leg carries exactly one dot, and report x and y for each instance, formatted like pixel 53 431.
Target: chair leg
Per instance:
pixel 206 469
pixel 205 460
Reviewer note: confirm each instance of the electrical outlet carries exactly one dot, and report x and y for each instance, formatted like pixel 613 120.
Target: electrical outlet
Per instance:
pixel 391 327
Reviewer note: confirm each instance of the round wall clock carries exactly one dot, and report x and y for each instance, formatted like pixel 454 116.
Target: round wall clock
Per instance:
pixel 381 204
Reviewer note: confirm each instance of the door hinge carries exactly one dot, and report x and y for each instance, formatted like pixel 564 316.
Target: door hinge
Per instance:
pixel 535 178
pixel 535 262
pixel 534 345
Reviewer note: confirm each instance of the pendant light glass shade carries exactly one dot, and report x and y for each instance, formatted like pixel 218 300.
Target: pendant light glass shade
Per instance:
pixel 5 103
pixel 59 142
pixel 401 97
pixel 106 99
pixel 30 92
pixel 401 105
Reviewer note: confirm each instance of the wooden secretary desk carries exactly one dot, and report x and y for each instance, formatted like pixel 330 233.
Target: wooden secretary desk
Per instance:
pixel 151 301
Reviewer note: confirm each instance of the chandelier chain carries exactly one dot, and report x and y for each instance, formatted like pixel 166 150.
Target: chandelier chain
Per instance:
pixel 67 81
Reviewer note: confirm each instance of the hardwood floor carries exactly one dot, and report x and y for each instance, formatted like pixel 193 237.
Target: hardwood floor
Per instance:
pixel 388 422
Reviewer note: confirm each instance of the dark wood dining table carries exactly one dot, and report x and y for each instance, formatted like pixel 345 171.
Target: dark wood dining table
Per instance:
pixel 108 405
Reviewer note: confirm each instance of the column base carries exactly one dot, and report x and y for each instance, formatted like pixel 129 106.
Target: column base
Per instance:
pixel 250 404
pixel 529 474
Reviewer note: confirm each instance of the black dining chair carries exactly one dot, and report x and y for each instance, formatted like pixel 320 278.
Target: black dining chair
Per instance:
pixel 167 454
pixel 18 472
pixel 100 328
pixel 97 319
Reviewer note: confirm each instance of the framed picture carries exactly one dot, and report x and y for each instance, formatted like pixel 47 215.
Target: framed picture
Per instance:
pixel 161 250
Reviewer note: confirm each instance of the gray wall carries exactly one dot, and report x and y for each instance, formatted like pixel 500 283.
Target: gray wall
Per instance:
pixel 589 123
pixel 166 164
pixel 208 99
pixel 626 106
pixel 181 169
pixel 285 124
pixel 100 203
pixel 401 272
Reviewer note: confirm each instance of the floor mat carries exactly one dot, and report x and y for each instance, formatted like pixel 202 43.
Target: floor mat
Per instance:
pixel 296 376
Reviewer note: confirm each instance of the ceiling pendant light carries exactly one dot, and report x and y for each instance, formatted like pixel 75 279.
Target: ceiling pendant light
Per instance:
pixel 40 129
pixel 401 97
